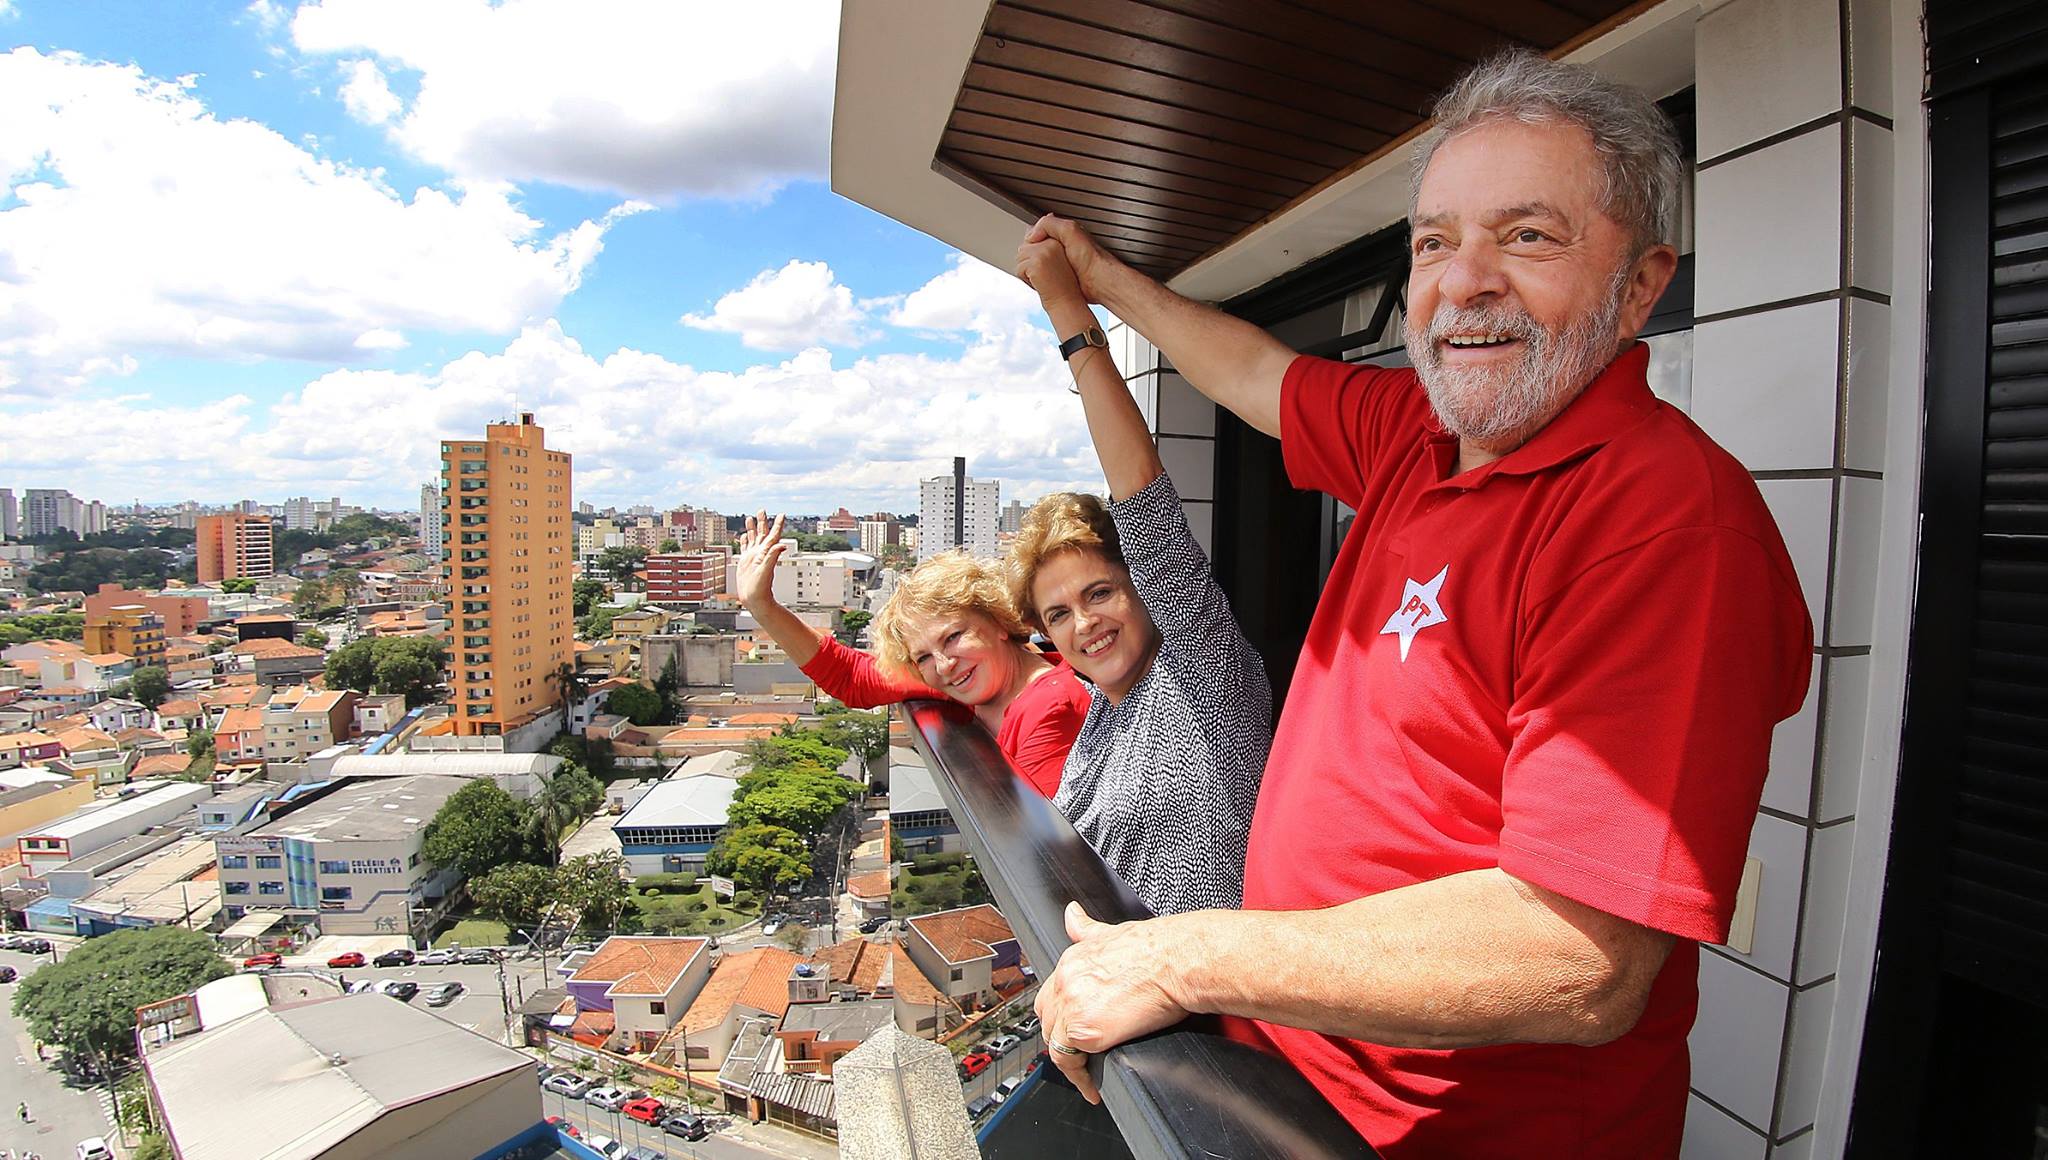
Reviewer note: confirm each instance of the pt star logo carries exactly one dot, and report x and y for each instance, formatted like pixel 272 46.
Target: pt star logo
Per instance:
pixel 1420 607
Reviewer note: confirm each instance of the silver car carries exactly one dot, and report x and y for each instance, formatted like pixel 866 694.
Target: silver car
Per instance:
pixel 567 1085
pixel 1002 1045
pixel 442 994
pixel 437 958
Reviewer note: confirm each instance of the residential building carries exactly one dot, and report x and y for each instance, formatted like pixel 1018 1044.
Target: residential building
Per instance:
pixel 10 516
pixel 102 824
pixel 266 626
pixel 876 535
pixel 687 579
pixel 278 662
pixel 918 816
pixel 92 754
pixel 90 673
pixel 509 565
pixel 181 615
pixel 431 531
pixel 1013 517
pixel 94 519
pixel 646 982
pixel 238 740
pixel 28 747
pixel 819 579
pixel 349 857
pixel 378 713
pixel 303 515
pixel 840 523
pixel 962 953
pixel 750 984
pixel 119 715
pixel 958 511
pixel 46 510
pixel 671 828
pixel 299 722
pixel 336 1084
pixel 235 547
pixel 644 621
pixel 133 629
pixel 592 539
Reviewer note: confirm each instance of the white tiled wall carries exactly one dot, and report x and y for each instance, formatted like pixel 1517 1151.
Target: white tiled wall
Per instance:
pixel 1791 375
pixel 1183 425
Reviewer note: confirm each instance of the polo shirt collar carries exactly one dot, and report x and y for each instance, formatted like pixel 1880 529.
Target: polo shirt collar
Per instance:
pixel 1617 399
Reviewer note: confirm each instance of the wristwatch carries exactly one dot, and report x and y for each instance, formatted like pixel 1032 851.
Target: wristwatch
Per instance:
pixel 1092 336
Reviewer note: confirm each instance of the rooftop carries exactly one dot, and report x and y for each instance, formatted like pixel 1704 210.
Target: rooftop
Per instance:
pixel 856 962
pixel 682 801
pixel 459 764
pixel 640 964
pixel 856 1020
pixel 758 978
pixel 966 934
pixel 91 818
pixel 377 810
pixel 912 789
pixel 312 1075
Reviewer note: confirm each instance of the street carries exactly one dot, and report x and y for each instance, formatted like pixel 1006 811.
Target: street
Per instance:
pixel 1012 1064
pixel 64 1112
pixel 725 1144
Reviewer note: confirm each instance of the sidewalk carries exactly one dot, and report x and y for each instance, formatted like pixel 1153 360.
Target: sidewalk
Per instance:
pixel 782 1141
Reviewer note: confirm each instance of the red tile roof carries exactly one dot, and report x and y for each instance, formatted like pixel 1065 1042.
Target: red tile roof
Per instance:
pixel 856 961
pixel 873 884
pixel 640 965
pixel 758 978
pixel 964 935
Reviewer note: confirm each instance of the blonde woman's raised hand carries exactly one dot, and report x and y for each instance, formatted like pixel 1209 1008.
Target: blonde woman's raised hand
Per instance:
pixel 760 549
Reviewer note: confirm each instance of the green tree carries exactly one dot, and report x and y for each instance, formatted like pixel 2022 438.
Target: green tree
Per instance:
pixel 478 829
pixel 807 542
pixel 517 893
pixel 238 587
pixel 353 665
pixel 153 1147
pixel 597 625
pixel 343 584
pixel 620 563
pixel 584 595
pixel 792 747
pixel 669 545
pixel 569 795
pixel 760 856
pixel 851 623
pixel 199 742
pixel 312 597
pixel 856 731
pixel 570 686
pixel 87 1001
pixel 669 687
pixel 313 638
pixel 594 885
pixel 637 703
pixel 150 685
pixel 801 800
pixel 411 665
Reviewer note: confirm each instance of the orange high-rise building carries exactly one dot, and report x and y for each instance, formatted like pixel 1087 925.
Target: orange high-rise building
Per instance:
pixel 509 554
pixel 234 547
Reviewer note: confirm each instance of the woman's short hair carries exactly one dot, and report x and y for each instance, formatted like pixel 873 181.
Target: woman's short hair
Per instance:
pixel 1065 521
pixel 948 584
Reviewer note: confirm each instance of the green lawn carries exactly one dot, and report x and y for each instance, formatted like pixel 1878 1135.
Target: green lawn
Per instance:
pixel 667 912
pixel 475 932
pixel 936 888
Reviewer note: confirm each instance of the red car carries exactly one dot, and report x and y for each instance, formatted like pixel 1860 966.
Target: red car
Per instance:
pixel 565 1127
pixel 647 1110
pixel 351 959
pixel 266 959
pixel 975 1062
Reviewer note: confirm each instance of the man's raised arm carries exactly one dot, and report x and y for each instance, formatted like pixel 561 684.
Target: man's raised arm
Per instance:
pixel 1228 359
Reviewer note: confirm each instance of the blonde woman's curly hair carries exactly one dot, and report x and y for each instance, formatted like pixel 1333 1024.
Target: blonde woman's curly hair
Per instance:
pixel 1064 521
pixel 948 584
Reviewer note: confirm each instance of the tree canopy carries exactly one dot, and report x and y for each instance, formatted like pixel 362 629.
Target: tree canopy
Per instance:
pixel 150 685
pixel 241 585
pixel 792 748
pixel 516 893
pixel 620 563
pixel 763 857
pixel 477 830
pixel 88 1000
pixel 593 884
pixel 829 542
pixel 856 731
pixel 408 665
pixel 801 799
pixel 85 569
pixel 42 626
pixel 637 703
pixel 584 595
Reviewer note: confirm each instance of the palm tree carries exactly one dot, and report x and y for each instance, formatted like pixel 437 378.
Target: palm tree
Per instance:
pixel 552 810
pixel 572 685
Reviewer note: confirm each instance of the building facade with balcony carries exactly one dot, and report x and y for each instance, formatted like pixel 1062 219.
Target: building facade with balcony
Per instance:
pixel 508 564
pixel 1858 316
pixel 686 579
pixel 132 629
pixel 235 547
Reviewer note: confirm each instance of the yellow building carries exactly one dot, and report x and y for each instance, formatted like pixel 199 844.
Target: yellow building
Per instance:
pixel 127 628
pixel 509 552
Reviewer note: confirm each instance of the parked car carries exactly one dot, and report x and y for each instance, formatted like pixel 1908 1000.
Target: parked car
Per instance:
pixel 437 958
pixel 265 959
pixel 871 925
pixel 349 959
pixel 543 1069
pixel 772 925
pixel 566 1084
pixel 442 994
pixel 34 946
pixel 12 940
pixel 1007 1088
pixel 478 957
pixel 7 974
pixel 1026 1027
pixel 979 1106
pixel 94 1148
pixel 361 985
pixel 646 1109
pixel 975 1062
pixel 1002 1045
pixel 688 1125
pixel 397 958
pixel 645 1153
pixel 606 1147
pixel 612 1097
pixel 565 1127
pixel 401 989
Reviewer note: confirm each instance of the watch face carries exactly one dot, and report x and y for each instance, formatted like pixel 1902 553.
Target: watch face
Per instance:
pixel 1096 337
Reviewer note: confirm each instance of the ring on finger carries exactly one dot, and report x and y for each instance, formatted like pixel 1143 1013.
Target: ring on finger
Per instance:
pixel 1063 1048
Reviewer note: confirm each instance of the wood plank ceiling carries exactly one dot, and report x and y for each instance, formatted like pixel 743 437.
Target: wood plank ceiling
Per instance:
pixel 1170 127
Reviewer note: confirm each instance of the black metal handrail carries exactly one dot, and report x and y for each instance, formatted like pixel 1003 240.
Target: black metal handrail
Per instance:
pixel 1179 1094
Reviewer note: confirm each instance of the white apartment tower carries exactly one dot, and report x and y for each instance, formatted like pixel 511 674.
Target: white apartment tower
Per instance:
pixel 10 520
pixel 430 522
pixel 956 511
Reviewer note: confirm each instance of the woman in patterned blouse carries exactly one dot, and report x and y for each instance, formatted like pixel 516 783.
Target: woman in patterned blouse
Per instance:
pixel 1164 775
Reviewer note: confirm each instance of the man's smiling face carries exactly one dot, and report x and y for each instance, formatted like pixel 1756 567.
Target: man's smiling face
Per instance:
pixel 1520 287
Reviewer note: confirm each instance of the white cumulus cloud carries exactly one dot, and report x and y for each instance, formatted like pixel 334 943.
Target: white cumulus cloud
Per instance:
pixel 800 305
pixel 650 98
pixel 134 222
pixel 365 93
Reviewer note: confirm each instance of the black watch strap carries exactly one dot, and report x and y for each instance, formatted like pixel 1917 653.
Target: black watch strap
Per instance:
pixel 1092 336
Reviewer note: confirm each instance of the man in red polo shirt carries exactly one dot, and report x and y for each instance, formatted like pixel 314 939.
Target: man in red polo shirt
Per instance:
pixel 1514 781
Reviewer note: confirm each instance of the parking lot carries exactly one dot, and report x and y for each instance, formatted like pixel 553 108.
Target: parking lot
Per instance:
pixel 1011 1065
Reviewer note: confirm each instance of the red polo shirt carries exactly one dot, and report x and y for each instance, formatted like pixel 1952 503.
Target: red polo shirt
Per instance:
pixel 1565 663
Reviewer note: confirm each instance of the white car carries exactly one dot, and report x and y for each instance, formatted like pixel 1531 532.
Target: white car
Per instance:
pixel 437 958
pixel 566 1084
pixel 611 1097
pixel 1006 1089
pixel 605 1146
pixel 94 1148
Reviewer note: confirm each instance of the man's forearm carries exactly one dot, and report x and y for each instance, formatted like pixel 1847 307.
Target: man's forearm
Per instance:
pixel 1469 960
pixel 1228 359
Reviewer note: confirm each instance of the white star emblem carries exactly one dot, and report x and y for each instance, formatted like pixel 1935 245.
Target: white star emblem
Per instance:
pixel 1419 608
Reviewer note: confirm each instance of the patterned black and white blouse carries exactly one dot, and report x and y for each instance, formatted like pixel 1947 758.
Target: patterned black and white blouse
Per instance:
pixel 1163 784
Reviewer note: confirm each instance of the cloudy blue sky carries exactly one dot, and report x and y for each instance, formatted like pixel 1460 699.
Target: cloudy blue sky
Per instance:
pixel 260 250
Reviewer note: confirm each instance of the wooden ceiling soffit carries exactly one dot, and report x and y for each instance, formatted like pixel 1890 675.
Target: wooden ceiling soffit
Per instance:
pixel 1172 127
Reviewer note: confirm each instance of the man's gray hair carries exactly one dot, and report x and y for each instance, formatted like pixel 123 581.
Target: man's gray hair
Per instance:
pixel 1642 172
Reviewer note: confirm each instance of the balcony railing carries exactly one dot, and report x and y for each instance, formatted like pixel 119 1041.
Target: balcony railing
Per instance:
pixel 1178 1094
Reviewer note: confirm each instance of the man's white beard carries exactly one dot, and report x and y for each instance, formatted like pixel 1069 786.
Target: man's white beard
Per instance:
pixel 1500 407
